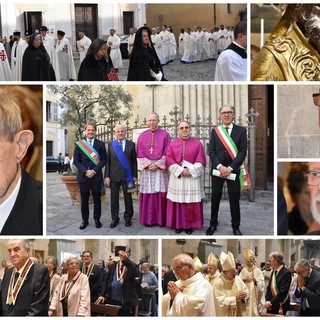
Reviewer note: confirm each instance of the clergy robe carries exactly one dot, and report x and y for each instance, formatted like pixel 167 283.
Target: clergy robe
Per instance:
pixel 130 43
pixel 195 299
pixel 115 53
pixel 151 149
pixel 257 300
pixel 181 43
pixel 212 44
pixel 19 59
pixel 14 57
pixel 185 194
pixel 83 46
pixel 232 64
pixel 190 49
pixel 157 44
pixel 224 295
pixel 65 60
pixel 223 36
pixel 212 278
pixel 48 43
pixel 200 36
pixel 5 72
pixel 165 37
pixel 173 46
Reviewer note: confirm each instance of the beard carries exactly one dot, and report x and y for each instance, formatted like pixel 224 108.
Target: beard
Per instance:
pixel 315 209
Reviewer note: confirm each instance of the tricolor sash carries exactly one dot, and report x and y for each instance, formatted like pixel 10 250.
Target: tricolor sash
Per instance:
pixel 14 289
pixel 225 138
pixel 94 156
pixel 273 286
pixel 125 165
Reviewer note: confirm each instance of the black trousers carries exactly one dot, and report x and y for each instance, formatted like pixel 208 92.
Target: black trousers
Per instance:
pixel 95 188
pixel 234 198
pixel 115 188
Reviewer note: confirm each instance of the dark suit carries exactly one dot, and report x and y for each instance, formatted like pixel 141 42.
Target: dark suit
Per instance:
pixel 83 163
pixel 33 297
pixel 219 155
pixel 117 176
pixel 26 215
pixel 312 294
pixel 129 286
pixel 283 279
pixel 94 283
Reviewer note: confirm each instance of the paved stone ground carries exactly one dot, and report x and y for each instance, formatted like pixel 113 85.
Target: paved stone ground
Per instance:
pixel 64 218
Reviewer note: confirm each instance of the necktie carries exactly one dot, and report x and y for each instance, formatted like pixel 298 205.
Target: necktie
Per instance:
pixel 86 270
pixel 227 129
pixel 120 143
pixel 90 141
pixel 16 277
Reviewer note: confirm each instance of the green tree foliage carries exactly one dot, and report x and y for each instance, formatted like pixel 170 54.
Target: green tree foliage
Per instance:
pixel 101 104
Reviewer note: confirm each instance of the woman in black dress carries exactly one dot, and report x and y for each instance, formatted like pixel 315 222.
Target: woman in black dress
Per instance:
pixel 36 65
pixel 97 66
pixel 144 62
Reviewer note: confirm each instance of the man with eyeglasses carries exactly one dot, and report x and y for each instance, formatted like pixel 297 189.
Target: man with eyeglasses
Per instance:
pixel 313 181
pixel 191 295
pixel 232 62
pixel 186 161
pixel 227 151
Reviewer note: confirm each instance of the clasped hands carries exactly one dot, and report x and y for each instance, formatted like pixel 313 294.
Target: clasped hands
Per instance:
pixel 224 171
pixel 173 289
pixel 89 173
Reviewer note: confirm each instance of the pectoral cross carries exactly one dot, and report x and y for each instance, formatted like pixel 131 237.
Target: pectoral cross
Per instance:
pixel 151 149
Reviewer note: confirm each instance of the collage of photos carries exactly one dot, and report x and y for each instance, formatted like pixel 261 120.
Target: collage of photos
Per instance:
pixel 211 173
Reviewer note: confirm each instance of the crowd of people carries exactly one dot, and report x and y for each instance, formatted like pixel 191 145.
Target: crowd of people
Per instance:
pixel 38 57
pixel 222 287
pixel 171 189
pixel 30 288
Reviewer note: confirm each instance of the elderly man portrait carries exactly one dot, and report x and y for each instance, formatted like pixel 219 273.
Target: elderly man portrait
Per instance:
pixel 20 195
pixel 291 52
pixel 25 288
pixel 308 289
pixel 277 296
pixel 191 295
pixel 227 151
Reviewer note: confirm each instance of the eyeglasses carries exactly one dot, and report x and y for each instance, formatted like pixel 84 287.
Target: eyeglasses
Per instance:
pixel 185 128
pixel 179 267
pixel 312 177
pixel 226 113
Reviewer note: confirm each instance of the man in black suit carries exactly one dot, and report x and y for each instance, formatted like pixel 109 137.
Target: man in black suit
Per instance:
pixel 93 273
pixel 25 288
pixel 308 288
pixel 277 295
pixel 121 171
pixel 225 163
pixel 121 283
pixel 90 157
pixel 20 195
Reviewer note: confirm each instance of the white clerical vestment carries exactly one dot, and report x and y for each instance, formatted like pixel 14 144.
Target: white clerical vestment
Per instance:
pixel 131 42
pixel 14 56
pixel 190 49
pixel 157 44
pixel 65 60
pixel 223 36
pixel 257 300
pixel 5 72
pixel 48 43
pixel 165 37
pixel 225 292
pixel 195 299
pixel 20 52
pixel 212 277
pixel 83 45
pixel 115 53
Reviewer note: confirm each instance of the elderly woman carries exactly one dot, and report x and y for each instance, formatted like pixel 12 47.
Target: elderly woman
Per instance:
pixel 72 295
pixel 36 65
pixel 97 66
pixel 52 263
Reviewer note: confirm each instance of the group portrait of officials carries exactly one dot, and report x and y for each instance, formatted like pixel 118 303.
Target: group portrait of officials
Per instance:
pixel 220 288
pixel 171 189
pixel 30 288
pixel 39 57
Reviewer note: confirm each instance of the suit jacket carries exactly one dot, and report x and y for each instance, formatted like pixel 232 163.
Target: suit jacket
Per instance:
pixel 218 153
pixel 78 299
pixel 83 163
pixel 130 282
pixel 283 283
pixel 33 297
pixel 312 293
pixel 94 283
pixel 114 170
pixel 26 215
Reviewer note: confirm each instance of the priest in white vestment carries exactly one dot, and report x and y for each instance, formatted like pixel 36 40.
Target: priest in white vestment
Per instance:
pixel 191 295
pixel 20 52
pixel 181 41
pixel 157 44
pixel 165 37
pixel 223 36
pixel 83 45
pixel 252 276
pixel 230 293
pixel 131 38
pixel 213 272
pixel 115 53
pixel 14 54
pixel 65 58
pixel 5 72
pixel 173 45
pixel 190 49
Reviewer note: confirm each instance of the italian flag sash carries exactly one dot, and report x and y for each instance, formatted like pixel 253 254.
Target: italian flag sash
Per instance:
pixel 94 156
pixel 274 287
pixel 232 149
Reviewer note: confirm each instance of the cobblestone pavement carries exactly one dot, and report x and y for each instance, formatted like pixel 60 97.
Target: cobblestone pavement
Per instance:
pixel 64 218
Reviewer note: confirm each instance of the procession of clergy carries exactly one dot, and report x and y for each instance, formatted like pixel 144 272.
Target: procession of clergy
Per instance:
pixel 220 291
pixel 193 46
